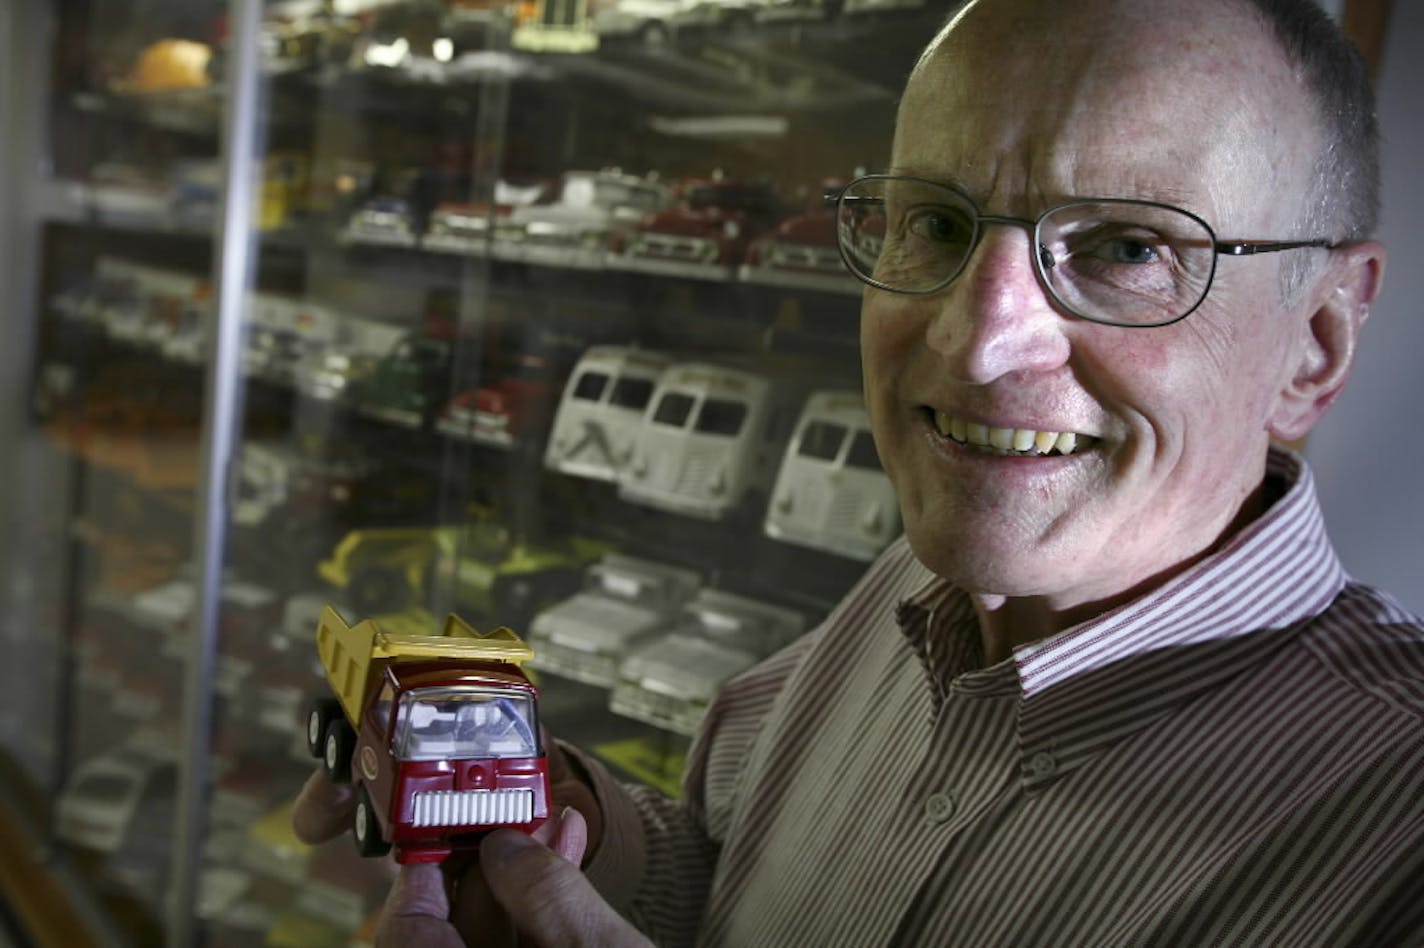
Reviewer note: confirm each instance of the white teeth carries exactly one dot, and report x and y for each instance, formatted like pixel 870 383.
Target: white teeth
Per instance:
pixel 1006 441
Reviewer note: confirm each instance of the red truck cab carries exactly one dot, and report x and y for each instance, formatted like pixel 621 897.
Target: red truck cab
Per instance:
pixel 443 747
pixel 438 734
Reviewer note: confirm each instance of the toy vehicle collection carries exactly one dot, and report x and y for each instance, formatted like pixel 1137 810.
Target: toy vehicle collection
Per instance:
pixel 489 571
pixel 670 680
pixel 624 600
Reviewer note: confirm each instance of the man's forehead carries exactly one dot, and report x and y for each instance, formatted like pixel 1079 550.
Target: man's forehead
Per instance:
pixel 1149 99
pixel 1021 20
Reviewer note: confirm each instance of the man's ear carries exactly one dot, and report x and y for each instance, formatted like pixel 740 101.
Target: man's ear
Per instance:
pixel 1341 298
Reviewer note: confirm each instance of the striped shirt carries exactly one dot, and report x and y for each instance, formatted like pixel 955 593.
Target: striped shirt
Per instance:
pixel 1236 758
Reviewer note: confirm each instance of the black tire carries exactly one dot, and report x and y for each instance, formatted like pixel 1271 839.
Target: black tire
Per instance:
pixel 366 829
pixel 378 589
pixel 320 712
pixel 337 744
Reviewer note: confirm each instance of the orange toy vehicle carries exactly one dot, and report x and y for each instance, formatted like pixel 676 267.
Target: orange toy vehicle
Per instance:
pixel 439 734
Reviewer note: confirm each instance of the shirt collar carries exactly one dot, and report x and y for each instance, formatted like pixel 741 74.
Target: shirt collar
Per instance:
pixel 1275 574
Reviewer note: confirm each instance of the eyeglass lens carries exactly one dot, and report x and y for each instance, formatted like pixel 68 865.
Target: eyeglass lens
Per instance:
pixel 1123 262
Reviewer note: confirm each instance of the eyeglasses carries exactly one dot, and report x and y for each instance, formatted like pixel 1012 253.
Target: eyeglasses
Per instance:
pixel 1109 260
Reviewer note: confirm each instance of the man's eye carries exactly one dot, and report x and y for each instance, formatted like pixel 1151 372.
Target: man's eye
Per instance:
pixel 939 227
pixel 1134 250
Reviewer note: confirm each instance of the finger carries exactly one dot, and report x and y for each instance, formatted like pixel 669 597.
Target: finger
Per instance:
pixel 570 838
pixel 417 911
pixel 323 809
pixel 569 787
pixel 476 915
pixel 547 897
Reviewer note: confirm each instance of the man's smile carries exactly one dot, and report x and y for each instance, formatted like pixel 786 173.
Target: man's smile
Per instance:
pixel 1009 442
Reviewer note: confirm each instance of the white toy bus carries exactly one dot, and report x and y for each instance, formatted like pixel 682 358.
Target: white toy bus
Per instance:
pixel 601 409
pixel 709 441
pixel 831 492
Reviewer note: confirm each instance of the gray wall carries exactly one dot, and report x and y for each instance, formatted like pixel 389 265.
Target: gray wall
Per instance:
pixel 1368 452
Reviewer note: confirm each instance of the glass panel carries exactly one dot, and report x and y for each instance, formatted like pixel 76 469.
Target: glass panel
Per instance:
pixel 450 207
pixel 821 440
pixel 589 386
pixel 632 393
pixel 862 453
pixel 721 416
pixel 463 724
pixel 673 410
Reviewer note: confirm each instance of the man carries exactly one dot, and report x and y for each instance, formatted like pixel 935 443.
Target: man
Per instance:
pixel 1114 688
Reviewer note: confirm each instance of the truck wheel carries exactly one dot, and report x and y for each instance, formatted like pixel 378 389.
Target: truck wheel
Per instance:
pixel 366 829
pixel 340 741
pixel 319 712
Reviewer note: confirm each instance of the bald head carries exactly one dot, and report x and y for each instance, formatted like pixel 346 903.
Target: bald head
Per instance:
pixel 1278 67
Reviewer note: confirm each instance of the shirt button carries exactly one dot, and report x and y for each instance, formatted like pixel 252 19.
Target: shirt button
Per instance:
pixel 1041 765
pixel 939 807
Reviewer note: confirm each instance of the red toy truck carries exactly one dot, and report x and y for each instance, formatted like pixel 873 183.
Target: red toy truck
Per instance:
pixel 439 734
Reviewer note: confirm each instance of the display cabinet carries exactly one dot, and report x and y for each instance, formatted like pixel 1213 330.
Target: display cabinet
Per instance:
pixel 526 312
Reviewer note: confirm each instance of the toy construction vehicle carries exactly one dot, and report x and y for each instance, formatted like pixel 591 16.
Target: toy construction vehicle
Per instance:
pixel 439 734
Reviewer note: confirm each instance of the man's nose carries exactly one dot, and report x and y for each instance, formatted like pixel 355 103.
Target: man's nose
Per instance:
pixel 996 319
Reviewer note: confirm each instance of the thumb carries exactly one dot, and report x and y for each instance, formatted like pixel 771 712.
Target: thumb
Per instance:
pixel 416 910
pixel 548 898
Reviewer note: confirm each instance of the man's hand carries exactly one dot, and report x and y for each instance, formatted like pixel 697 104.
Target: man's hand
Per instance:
pixel 526 890
pixel 531 884
pixel 323 809
pixel 545 895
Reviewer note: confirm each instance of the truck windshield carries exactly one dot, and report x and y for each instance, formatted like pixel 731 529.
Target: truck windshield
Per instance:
pixel 459 723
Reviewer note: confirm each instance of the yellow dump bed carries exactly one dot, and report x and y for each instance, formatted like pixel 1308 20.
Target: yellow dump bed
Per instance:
pixel 351 653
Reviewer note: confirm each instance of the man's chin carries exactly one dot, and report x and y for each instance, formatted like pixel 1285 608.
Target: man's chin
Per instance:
pixel 989 561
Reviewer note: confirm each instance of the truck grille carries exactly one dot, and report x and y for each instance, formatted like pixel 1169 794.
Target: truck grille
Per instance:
pixel 696 470
pixel 843 518
pixel 472 807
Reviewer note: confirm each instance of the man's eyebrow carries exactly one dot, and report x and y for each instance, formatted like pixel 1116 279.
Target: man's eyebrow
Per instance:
pixel 938 177
pixel 1176 195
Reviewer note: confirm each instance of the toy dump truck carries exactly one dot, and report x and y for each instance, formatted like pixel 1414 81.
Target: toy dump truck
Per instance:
pixel 439 735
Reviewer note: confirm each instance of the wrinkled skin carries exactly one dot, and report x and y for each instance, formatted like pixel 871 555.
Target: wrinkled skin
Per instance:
pixel 1206 116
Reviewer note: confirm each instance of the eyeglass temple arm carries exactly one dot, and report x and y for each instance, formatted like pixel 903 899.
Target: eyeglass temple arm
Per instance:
pixel 1244 248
